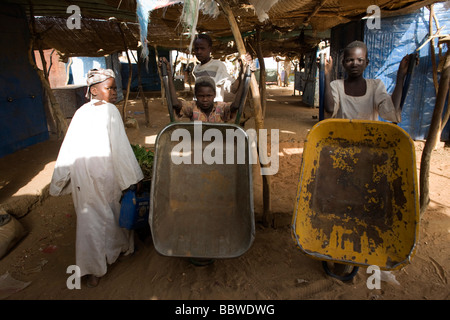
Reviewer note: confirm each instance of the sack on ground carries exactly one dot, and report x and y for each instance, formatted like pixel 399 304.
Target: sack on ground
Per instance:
pixel 11 232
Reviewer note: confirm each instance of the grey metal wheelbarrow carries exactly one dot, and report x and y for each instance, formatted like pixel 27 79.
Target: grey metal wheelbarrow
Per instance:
pixel 201 201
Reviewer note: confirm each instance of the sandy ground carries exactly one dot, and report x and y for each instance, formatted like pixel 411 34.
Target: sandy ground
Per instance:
pixel 272 269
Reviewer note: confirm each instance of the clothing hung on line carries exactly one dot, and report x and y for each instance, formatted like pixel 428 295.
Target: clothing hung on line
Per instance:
pixel 95 163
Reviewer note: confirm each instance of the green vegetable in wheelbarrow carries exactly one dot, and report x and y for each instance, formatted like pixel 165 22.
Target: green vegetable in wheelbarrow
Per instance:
pixel 144 157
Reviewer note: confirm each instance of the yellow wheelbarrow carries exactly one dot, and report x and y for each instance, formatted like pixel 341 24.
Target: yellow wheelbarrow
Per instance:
pixel 357 200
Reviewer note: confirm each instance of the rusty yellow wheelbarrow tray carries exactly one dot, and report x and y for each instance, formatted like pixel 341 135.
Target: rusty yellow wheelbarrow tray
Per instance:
pixel 357 198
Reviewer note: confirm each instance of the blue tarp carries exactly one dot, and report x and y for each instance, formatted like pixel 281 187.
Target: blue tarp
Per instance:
pixel 149 72
pixel 387 46
pixel 22 114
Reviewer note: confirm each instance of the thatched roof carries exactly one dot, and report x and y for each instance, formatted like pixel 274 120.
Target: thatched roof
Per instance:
pixel 291 27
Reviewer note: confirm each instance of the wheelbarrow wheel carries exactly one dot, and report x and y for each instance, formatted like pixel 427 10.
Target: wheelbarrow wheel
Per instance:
pixel 340 271
pixel 201 262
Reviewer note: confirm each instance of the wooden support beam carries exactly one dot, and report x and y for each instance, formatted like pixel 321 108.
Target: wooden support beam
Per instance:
pixel 443 90
pixel 141 90
pixel 314 12
pixel 130 73
pixel 55 110
pixel 259 120
pixel 433 58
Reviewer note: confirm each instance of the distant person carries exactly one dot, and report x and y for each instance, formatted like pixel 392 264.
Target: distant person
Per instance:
pixel 213 68
pixel 283 78
pixel 358 98
pixel 95 164
pixel 204 108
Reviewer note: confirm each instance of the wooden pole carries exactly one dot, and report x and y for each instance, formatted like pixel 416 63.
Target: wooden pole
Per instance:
pixel 262 73
pixel 433 58
pixel 259 121
pixel 141 90
pixel 313 13
pixel 130 73
pixel 55 110
pixel 432 133
pixel 163 90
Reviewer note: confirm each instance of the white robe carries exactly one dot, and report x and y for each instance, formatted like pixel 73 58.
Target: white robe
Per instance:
pixel 95 163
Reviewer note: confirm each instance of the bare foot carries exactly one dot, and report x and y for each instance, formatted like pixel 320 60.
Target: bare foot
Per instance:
pixel 92 281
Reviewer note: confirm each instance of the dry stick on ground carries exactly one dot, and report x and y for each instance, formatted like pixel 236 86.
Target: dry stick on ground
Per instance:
pixel 259 121
pixel 432 134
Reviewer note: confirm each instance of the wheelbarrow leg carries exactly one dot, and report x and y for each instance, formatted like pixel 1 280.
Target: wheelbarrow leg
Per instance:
pixel 347 274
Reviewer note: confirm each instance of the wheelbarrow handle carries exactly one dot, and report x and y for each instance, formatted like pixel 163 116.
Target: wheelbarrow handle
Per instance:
pixel 247 76
pixel 165 78
pixel 409 72
pixel 163 69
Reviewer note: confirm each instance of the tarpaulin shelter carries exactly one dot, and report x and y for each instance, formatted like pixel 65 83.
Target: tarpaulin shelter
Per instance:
pixel 407 33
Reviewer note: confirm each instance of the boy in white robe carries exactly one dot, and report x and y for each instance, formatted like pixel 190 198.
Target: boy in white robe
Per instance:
pixel 95 164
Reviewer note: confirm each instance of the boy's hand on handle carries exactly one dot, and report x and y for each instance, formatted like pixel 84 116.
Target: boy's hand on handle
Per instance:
pixel 162 61
pixel 248 61
pixel 244 61
pixel 403 67
pixel 328 66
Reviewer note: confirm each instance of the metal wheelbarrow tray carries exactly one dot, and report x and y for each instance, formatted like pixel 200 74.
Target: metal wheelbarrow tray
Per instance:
pixel 357 199
pixel 201 210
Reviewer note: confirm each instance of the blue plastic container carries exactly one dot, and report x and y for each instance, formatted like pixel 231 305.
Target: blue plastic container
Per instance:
pixel 134 210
